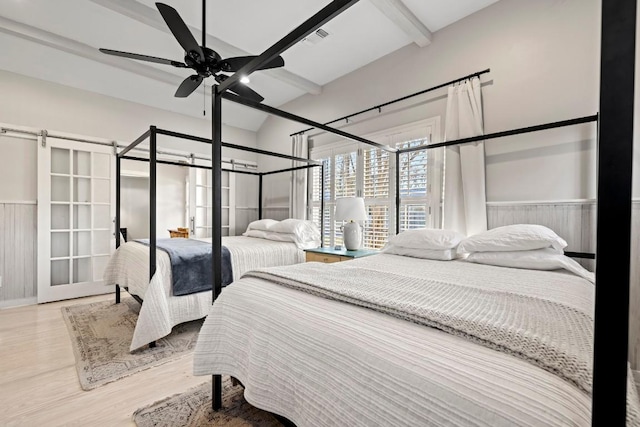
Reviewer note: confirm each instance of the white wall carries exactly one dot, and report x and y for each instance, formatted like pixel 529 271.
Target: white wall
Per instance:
pixel 31 102
pixel 544 60
pixel 42 105
pixel 17 169
pixel 170 200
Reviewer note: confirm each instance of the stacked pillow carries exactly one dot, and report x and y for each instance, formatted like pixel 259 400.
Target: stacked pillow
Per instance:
pixel 305 234
pixel 529 246
pixel 425 243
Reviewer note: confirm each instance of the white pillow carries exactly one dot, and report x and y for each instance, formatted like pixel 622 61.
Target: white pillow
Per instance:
pixel 292 225
pixel 437 254
pixel 539 259
pixel 427 238
pixel 305 231
pixel 282 237
pixel 262 224
pixel 519 237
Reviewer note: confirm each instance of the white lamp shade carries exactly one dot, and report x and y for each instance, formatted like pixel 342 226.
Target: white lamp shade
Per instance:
pixel 351 209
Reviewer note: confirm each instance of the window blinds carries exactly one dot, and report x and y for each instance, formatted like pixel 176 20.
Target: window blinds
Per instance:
pixel 358 170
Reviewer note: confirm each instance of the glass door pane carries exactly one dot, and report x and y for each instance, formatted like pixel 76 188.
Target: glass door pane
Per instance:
pixel 201 198
pixel 77 193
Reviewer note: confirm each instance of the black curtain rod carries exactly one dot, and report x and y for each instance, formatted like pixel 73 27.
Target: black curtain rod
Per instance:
pixel 494 135
pixel 378 107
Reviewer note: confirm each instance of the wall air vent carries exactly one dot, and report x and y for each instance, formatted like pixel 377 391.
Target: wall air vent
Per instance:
pixel 315 37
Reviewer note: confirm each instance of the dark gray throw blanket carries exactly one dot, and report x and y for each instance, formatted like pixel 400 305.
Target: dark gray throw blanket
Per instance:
pixel 191 270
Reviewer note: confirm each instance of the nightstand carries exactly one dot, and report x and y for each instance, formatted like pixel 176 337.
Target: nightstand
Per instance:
pixel 332 255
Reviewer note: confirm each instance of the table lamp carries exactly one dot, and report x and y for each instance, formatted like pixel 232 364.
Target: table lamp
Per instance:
pixel 351 209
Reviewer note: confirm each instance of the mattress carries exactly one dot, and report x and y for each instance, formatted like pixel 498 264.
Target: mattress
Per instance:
pixel 161 311
pixel 322 362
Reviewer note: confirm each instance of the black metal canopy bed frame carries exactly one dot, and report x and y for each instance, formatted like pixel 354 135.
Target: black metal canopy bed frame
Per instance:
pixel 615 150
pixel 152 136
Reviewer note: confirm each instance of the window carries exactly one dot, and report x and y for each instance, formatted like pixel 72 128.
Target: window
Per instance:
pixel 376 191
pixel 352 169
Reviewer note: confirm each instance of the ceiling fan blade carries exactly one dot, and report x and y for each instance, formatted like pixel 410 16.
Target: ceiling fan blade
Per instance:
pixel 188 85
pixel 234 64
pixel 240 89
pixel 180 30
pixel 246 92
pixel 143 57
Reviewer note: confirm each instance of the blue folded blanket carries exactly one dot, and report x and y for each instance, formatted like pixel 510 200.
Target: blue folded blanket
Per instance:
pixel 191 268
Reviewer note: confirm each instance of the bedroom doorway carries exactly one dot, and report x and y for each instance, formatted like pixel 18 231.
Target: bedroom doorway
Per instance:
pixel 76 208
pixel 200 204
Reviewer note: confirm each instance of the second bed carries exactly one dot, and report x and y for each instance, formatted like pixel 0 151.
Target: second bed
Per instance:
pixel 161 311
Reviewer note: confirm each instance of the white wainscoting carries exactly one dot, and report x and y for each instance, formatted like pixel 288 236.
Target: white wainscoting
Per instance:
pixel 276 212
pixel 575 221
pixel 244 215
pixel 18 242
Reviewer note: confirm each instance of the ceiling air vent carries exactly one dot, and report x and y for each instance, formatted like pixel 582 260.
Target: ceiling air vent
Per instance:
pixel 315 37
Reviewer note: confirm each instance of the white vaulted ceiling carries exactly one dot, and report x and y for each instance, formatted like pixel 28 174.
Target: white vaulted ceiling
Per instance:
pixel 58 40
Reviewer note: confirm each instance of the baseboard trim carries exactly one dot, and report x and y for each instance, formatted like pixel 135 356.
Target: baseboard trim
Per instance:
pixel 18 302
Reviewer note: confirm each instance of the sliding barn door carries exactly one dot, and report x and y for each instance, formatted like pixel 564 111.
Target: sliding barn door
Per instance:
pixel 76 208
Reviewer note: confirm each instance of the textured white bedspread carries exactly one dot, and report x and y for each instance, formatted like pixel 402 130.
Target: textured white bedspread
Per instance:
pixel 322 362
pixel 161 311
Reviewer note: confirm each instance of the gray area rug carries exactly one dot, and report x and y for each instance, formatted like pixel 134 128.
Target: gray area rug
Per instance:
pixel 101 333
pixel 193 409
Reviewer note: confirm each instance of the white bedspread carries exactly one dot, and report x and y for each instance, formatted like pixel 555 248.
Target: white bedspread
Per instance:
pixel 321 362
pixel 161 311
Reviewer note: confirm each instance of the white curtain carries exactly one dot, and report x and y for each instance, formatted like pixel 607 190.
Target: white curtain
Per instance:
pixel 298 204
pixel 465 200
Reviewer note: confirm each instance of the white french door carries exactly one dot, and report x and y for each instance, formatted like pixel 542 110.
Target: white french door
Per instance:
pixel 76 211
pixel 200 202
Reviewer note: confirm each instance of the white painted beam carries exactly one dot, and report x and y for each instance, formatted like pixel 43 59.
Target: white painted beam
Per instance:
pixel 46 38
pixel 402 16
pixel 149 16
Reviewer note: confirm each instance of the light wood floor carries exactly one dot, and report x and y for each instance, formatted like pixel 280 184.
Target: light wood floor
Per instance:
pixel 38 381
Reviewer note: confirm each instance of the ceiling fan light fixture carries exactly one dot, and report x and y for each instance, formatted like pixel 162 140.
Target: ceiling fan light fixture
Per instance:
pixel 245 80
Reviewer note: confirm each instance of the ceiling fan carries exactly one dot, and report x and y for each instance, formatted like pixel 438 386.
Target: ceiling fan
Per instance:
pixel 204 61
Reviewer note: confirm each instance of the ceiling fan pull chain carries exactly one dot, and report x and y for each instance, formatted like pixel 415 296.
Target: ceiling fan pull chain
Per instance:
pixel 204 100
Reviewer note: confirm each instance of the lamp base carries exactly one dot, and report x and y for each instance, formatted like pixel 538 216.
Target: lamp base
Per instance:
pixel 352 235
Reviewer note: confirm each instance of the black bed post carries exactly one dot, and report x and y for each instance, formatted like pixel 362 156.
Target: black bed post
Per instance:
pixel 153 148
pixel 216 234
pixel 260 196
pixel 322 205
pixel 117 222
pixel 615 165
pixel 118 184
pixel 397 192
